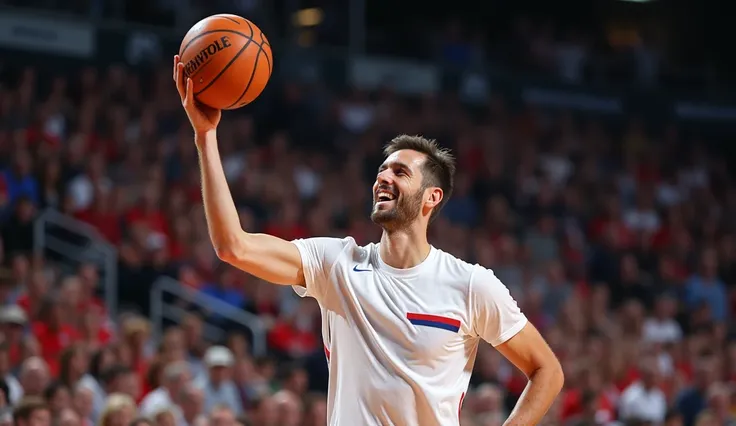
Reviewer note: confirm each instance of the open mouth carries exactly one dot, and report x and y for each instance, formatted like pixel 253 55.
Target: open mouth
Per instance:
pixel 384 196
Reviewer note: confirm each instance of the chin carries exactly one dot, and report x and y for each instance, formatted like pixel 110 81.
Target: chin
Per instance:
pixel 383 217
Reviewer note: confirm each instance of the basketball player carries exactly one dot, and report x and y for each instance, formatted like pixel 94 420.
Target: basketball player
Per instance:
pixel 401 320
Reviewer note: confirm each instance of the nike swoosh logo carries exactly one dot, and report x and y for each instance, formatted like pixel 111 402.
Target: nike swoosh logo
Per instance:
pixel 356 269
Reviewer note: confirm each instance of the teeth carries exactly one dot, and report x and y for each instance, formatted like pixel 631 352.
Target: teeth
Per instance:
pixel 383 194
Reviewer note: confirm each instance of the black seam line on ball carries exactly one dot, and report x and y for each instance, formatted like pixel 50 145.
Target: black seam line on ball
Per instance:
pixel 222 71
pixel 200 35
pixel 250 80
pixel 252 73
pixel 268 60
pixel 228 18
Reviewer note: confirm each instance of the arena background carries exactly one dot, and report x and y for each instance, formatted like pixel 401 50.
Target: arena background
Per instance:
pixel 595 178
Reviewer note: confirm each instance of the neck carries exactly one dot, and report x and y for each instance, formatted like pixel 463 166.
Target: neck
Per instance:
pixel 404 249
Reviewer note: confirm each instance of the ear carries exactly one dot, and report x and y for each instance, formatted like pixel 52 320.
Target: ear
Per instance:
pixel 434 197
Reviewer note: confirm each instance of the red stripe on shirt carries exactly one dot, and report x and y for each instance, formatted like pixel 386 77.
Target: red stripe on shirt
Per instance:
pixel 434 318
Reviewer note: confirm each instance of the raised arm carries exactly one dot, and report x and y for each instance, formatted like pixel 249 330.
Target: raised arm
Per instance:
pixel 264 256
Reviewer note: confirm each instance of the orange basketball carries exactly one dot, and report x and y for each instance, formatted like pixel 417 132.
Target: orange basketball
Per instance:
pixel 228 59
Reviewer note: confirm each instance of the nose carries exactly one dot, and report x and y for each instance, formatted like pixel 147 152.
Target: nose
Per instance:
pixel 384 178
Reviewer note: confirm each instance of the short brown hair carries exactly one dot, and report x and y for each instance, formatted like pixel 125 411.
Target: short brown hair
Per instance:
pixel 438 168
pixel 26 407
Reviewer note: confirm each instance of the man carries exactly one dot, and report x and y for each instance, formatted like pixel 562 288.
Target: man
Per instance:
pixel 289 407
pixel 15 390
pixel 69 417
pixel 175 377
pixel 643 400
pixel 217 383
pixel 32 411
pixel 222 416
pixel 401 320
pixel 192 405
pixel 115 379
pixel 34 376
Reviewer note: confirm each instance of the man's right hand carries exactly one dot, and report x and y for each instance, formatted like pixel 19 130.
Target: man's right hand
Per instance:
pixel 204 119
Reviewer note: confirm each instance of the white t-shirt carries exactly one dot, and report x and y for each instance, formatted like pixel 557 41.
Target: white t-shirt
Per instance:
pixel 638 403
pixel 401 343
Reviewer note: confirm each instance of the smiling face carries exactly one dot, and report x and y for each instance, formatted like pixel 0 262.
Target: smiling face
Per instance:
pixel 400 195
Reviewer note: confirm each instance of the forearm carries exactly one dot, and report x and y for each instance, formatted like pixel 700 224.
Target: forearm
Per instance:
pixel 543 387
pixel 223 221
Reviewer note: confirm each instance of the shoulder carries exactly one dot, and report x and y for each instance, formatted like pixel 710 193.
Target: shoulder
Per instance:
pixel 486 286
pixel 330 243
pixel 454 266
pixel 329 251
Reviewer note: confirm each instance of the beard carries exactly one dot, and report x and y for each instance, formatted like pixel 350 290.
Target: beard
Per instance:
pixel 404 211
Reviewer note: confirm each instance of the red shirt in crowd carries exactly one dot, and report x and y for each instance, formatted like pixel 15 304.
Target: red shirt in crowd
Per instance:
pixel 107 224
pixel 572 405
pixel 155 220
pixel 285 338
pixel 24 301
pixel 53 342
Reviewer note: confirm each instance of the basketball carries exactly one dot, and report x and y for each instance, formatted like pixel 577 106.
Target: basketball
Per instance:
pixel 228 59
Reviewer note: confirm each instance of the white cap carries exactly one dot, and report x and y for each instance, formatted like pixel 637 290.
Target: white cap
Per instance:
pixel 13 314
pixel 219 356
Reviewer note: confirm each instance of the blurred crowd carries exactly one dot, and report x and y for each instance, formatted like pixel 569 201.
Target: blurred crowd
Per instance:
pixel 614 238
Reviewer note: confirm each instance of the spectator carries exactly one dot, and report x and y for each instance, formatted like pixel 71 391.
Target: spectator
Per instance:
pixel 692 401
pixel 97 369
pixel 217 383
pixel 34 377
pixel 175 376
pixel 119 410
pixel 32 411
pixel 15 390
pixel 222 416
pixel 707 288
pixel 20 182
pixel 192 405
pixel 57 397
pixel 644 400
pixel 164 417
pixel 264 411
pixel 69 417
pixel 83 400
pixel 120 379
pixel 289 408
pixel 18 229
pixel 315 410
pixel 662 327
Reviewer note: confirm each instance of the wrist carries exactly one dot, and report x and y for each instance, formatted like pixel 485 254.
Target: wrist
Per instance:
pixel 205 137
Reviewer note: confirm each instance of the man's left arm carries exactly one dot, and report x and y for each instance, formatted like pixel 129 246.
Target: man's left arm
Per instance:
pixel 528 351
pixel 498 320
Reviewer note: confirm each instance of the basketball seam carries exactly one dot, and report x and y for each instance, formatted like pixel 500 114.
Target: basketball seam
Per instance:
pixel 228 18
pixel 253 72
pixel 200 35
pixel 222 71
pixel 268 60
pixel 250 80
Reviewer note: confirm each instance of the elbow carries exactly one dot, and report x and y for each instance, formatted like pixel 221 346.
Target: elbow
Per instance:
pixel 225 253
pixel 560 379
pixel 558 376
pixel 552 374
pixel 231 251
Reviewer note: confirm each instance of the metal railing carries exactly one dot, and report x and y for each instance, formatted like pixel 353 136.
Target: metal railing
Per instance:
pixel 70 243
pixel 162 310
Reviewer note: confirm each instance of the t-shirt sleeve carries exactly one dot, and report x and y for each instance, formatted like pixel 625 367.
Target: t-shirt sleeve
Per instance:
pixel 495 314
pixel 318 255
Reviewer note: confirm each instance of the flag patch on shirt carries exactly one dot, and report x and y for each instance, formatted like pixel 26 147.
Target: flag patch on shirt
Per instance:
pixel 435 321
